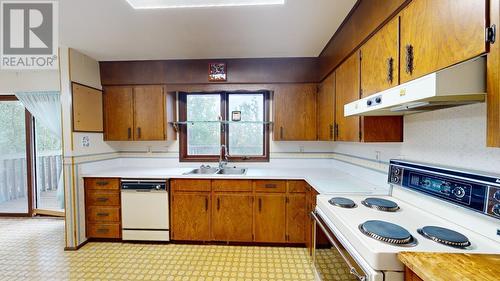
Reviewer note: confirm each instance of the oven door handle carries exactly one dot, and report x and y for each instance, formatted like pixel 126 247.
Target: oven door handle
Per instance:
pixel 352 270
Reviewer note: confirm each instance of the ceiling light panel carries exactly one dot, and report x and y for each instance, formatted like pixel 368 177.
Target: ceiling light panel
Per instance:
pixel 164 4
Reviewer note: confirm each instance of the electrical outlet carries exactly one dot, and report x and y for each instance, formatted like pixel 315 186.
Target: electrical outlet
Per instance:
pixel 377 156
pixel 85 141
pixel 498 232
pixel 301 149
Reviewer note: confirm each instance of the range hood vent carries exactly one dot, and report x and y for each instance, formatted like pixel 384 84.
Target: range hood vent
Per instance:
pixel 461 84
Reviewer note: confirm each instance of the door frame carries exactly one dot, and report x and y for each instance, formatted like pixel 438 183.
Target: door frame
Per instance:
pixel 28 119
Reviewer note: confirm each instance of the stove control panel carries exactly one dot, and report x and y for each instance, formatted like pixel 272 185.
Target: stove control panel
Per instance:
pixel 494 202
pixel 477 192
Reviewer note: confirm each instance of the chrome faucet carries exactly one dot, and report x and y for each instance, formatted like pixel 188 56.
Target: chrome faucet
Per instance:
pixel 223 163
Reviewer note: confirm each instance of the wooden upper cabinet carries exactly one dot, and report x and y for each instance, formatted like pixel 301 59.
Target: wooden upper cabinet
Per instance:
pixel 149 113
pixel 294 108
pixel 493 82
pixel 138 113
pixel 347 90
pixel 270 218
pixel 190 216
pixel 232 217
pixel 437 34
pixel 118 117
pixel 326 108
pixel 379 60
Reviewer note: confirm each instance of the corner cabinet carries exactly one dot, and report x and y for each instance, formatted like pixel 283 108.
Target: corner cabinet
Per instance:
pixel 438 34
pixel 354 128
pixel 138 113
pixel 294 112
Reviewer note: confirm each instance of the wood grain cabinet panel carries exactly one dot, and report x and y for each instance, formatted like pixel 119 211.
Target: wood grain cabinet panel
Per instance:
pixel 297 186
pixel 232 185
pixel 103 214
pixel 380 60
pixel 437 34
pixel 326 109
pixel 346 91
pixel 138 113
pixel 149 113
pixel 232 217
pixel 493 81
pixel 104 230
pixel 102 183
pixel 190 218
pixel 190 185
pixel 118 113
pixel 270 218
pixel 296 218
pixel 270 185
pixel 102 208
pixel 294 109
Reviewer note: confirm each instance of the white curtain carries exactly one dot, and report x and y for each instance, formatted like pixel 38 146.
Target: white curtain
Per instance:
pixel 46 108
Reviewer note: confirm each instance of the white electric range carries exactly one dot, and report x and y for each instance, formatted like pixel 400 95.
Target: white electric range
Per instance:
pixel 430 209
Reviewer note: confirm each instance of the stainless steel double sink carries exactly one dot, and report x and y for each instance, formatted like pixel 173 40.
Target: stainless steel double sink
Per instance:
pixel 211 171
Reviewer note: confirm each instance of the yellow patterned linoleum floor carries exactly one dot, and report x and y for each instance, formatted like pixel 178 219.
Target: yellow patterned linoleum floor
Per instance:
pixel 32 249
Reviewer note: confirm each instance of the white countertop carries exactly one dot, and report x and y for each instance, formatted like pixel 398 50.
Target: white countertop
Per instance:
pixel 324 180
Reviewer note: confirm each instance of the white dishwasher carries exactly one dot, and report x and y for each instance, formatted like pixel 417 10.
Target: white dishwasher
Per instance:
pixel 145 213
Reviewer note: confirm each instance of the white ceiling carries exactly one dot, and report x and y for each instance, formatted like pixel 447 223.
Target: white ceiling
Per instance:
pixel 113 30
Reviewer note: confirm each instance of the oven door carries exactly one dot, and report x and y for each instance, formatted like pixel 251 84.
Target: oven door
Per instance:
pixel 331 260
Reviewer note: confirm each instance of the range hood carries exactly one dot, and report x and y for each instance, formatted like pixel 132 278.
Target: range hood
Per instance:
pixel 461 84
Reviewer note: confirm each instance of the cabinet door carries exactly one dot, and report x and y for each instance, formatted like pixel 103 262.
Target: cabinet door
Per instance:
pixel 379 60
pixel 296 218
pixel 347 90
pixel 232 217
pixel 190 216
pixel 326 108
pixel 149 113
pixel 437 34
pixel 493 82
pixel 270 219
pixel 295 112
pixel 118 113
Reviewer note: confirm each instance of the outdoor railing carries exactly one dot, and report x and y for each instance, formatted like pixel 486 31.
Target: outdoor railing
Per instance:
pixel 13 174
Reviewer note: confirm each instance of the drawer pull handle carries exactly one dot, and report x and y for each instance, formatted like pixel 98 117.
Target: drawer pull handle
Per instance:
pixel 260 205
pixel 102 214
pixel 102 199
pixel 206 204
pixel 270 185
pixel 102 230
pixel 102 183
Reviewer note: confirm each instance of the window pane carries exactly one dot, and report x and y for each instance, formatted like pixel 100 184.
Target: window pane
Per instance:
pixel 50 195
pixel 246 138
pixel 203 138
pixel 13 170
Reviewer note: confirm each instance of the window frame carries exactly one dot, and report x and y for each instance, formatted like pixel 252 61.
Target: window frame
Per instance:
pixel 224 128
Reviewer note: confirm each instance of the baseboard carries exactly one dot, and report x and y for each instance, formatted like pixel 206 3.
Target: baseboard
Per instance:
pixel 77 247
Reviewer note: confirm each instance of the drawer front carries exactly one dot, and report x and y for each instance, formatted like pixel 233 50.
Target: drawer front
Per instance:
pixel 270 185
pixel 190 185
pixel 103 198
pixel 299 186
pixel 104 230
pixel 102 183
pixel 232 185
pixel 103 214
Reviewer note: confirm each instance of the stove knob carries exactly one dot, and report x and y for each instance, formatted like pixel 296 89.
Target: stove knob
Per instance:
pixel 496 210
pixel 395 179
pixel 459 192
pixel 396 171
pixel 368 102
pixel 378 99
pixel 497 195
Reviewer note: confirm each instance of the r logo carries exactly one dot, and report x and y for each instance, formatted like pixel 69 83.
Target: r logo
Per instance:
pixel 27 28
pixel 29 34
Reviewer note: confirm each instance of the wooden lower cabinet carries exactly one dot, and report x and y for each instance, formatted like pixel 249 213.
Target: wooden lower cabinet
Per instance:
pixel 102 208
pixel 296 218
pixel 232 217
pixel 270 218
pixel 262 211
pixel 411 276
pixel 190 216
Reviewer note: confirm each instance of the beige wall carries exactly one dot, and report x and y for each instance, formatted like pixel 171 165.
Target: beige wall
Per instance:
pixel 29 81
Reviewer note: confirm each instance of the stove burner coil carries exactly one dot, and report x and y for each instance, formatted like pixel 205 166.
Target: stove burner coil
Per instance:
pixel 380 204
pixel 444 236
pixel 387 232
pixel 342 202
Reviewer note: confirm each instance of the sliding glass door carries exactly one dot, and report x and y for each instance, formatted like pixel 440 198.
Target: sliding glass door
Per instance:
pixel 48 169
pixel 15 174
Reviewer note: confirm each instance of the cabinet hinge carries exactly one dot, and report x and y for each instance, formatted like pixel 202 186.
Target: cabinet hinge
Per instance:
pixel 491 33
